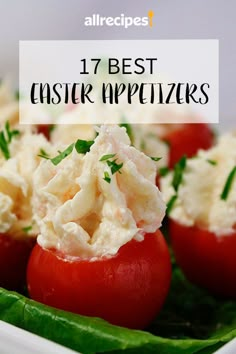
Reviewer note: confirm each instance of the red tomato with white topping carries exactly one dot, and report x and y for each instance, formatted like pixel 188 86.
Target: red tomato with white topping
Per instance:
pixel 127 289
pixel 14 255
pixel 187 140
pixel 205 258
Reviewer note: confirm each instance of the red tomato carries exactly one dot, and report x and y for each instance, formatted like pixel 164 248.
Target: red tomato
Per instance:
pixel 187 140
pixel 128 289
pixel 44 129
pixel 14 255
pixel 206 259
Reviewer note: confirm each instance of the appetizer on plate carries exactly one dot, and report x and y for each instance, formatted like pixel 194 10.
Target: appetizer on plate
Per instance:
pixel 98 211
pixel 201 203
pixel 18 160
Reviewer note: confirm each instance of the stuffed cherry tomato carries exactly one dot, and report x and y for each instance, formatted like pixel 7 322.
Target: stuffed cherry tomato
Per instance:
pixel 99 250
pixel 201 204
pixel 14 255
pixel 187 140
pixel 205 258
pixel 127 289
pixel 18 160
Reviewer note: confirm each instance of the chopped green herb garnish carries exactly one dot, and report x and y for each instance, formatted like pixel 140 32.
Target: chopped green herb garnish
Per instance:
pixel 17 95
pixel 6 138
pixel 51 128
pixel 107 178
pixel 62 155
pixel 128 130
pixel 212 162
pixel 27 229
pixel 178 173
pixel 115 167
pixel 10 133
pixel 83 146
pixel 4 146
pixel 107 157
pixel 163 171
pixel 143 145
pixel 228 184
pixel 170 204
pixel 167 143
pixel 43 154
pixel 156 158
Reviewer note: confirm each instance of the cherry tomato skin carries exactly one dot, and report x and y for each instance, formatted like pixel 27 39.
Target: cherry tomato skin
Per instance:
pixel 14 255
pixel 187 140
pixel 44 129
pixel 206 259
pixel 128 289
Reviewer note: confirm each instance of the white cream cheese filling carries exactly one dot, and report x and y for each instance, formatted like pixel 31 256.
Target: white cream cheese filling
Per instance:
pixel 16 184
pixel 81 214
pixel 199 199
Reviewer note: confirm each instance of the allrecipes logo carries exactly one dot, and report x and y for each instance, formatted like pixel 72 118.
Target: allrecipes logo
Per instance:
pixel 119 21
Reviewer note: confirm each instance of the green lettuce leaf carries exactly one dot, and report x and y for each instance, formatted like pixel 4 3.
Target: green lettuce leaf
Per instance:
pixel 191 322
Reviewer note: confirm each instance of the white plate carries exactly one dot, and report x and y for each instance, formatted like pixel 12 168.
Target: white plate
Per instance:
pixel 229 348
pixel 14 340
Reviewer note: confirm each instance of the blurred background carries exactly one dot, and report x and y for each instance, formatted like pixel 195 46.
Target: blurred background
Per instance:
pixel 182 19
